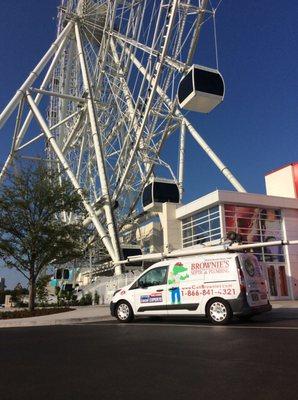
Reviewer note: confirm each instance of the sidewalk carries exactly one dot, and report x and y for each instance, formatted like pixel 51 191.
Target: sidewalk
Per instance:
pixel 102 313
pixel 77 316
pixel 285 304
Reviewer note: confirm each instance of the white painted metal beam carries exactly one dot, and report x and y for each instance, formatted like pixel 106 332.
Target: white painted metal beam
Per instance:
pixel 98 225
pixel 204 250
pixel 98 147
pixel 222 167
pixel 33 75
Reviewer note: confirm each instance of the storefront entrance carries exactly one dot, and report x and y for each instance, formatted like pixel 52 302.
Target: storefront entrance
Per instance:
pixel 277 281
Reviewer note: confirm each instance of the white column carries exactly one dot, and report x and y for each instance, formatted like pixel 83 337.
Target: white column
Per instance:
pixel 181 159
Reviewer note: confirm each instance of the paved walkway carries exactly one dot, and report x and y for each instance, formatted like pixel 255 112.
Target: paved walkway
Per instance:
pixel 285 304
pixel 102 313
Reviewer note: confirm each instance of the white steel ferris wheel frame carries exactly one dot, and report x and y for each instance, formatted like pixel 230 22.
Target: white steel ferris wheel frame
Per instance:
pixel 112 88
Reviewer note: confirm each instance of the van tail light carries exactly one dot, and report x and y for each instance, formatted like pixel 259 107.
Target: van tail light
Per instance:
pixel 241 279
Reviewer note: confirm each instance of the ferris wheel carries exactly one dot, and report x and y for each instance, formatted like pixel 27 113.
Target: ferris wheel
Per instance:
pixel 111 80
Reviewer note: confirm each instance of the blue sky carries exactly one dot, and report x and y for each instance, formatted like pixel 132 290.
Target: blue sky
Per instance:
pixel 254 130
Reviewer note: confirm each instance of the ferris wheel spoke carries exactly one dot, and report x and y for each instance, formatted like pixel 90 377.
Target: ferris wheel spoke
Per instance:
pixel 61 40
pixel 74 131
pixel 228 174
pixel 179 65
pixel 80 158
pixel 67 169
pixel 127 94
pixel 33 76
pixel 134 27
pixel 128 101
pixel 97 147
pixel 196 32
pixel 40 135
pixel 154 78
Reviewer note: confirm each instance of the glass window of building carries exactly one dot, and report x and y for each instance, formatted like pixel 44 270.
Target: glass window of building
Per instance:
pixel 201 227
pixel 256 225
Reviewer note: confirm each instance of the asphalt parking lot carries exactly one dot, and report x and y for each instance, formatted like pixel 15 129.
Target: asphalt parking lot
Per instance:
pixel 175 359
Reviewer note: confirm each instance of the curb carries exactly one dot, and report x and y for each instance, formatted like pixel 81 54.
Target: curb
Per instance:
pixel 69 321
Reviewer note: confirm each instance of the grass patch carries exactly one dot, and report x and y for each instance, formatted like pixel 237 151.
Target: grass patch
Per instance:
pixel 36 313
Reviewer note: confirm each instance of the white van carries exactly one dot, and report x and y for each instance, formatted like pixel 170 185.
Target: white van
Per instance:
pixel 217 286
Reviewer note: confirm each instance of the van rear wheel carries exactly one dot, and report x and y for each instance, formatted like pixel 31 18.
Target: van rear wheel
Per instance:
pixel 124 312
pixel 219 311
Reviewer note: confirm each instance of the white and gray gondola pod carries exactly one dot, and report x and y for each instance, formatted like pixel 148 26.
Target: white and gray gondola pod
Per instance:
pixel 201 89
pixel 159 191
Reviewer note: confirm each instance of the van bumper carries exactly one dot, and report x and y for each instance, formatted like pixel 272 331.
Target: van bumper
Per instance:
pixel 240 306
pixel 113 309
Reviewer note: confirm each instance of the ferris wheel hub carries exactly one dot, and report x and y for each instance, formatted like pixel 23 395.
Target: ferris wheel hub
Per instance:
pixel 93 15
pixel 90 7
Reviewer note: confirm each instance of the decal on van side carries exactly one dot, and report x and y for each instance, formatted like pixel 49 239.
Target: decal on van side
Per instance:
pixel 151 298
pixel 218 266
pixel 178 274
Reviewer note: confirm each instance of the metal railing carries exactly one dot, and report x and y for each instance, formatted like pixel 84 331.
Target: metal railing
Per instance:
pixel 106 286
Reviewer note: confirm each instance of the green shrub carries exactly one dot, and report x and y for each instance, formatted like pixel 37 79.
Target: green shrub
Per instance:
pixel 67 297
pixel 86 300
pixel 42 290
pixel 96 298
pixel 49 305
pixel 34 313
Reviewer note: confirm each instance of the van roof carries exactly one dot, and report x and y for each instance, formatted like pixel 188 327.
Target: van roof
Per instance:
pixel 215 255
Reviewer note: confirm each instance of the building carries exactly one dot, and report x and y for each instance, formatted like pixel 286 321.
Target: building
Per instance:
pixel 256 217
pixel 208 219
pixel 149 237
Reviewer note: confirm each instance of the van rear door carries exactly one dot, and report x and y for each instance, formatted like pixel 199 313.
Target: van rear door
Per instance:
pixel 256 290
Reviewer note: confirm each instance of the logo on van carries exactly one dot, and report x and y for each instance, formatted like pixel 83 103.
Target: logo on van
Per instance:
pixel 151 298
pixel 178 274
pixel 219 266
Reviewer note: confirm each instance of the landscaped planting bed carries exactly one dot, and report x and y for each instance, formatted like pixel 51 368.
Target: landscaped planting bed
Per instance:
pixel 36 313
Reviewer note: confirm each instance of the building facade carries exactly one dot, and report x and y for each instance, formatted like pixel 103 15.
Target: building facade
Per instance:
pixel 256 217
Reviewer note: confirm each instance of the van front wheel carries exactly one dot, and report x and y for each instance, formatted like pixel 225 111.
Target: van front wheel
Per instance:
pixel 124 312
pixel 218 311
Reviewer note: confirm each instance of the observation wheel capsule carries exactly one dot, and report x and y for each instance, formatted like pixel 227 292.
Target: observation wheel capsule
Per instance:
pixel 159 191
pixel 201 89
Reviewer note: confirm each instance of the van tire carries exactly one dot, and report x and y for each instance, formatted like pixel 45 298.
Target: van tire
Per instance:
pixel 218 311
pixel 124 312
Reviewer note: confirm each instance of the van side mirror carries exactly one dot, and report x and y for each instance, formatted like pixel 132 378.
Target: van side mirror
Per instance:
pixel 142 285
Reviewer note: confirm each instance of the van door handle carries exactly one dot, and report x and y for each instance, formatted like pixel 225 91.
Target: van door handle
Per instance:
pixel 159 290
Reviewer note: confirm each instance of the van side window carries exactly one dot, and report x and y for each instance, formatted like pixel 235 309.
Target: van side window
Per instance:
pixel 154 277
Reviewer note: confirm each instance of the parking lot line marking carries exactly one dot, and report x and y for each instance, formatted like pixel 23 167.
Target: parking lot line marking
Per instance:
pixel 201 326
